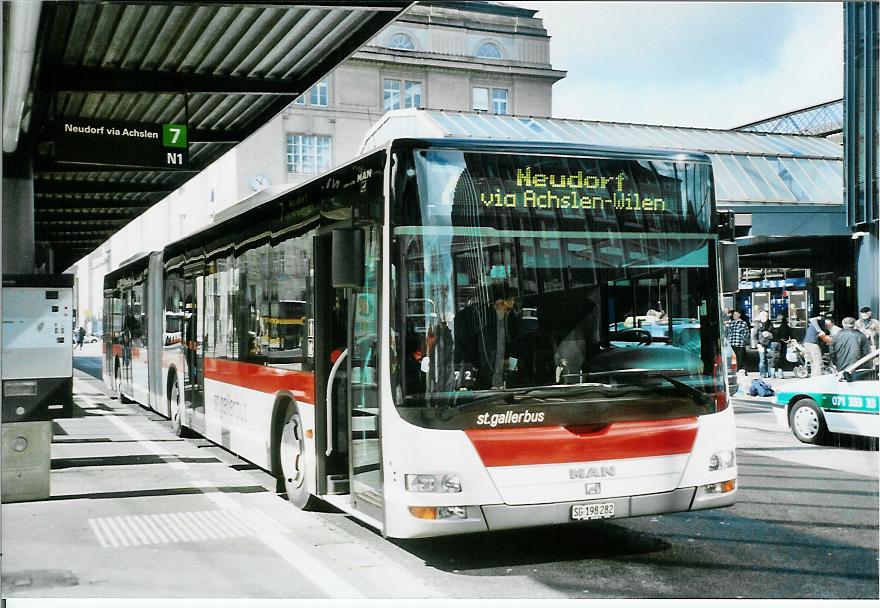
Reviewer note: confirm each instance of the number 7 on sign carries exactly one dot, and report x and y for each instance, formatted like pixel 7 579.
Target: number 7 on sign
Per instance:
pixel 174 136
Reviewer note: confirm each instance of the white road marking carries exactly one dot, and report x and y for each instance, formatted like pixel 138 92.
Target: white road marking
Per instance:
pixel 99 533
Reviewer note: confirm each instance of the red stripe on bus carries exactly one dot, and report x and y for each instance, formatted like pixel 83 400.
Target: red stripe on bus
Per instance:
pixel 556 444
pixel 263 378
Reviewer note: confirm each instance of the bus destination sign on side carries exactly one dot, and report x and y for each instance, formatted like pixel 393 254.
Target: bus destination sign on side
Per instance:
pixel 163 146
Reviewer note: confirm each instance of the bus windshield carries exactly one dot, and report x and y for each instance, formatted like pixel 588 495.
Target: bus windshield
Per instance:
pixel 553 289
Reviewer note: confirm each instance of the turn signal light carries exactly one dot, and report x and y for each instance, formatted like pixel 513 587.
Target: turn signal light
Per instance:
pixel 722 487
pixel 424 512
pixel 439 512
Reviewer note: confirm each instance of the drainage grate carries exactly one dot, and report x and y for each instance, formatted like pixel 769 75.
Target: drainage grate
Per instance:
pixel 164 528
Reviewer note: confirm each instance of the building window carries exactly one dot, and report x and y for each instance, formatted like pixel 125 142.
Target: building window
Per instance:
pixel 488 50
pixel 308 153
pixel 392 99
pixel 412 94
pixel 318 95
pixel 481 99
pixel 499 101
pixel 391 94
pixel 401 42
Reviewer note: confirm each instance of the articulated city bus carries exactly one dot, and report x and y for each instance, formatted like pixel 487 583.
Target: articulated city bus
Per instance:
pixel 449 336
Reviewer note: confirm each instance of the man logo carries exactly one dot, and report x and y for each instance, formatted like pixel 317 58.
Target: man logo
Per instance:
pixel 591 472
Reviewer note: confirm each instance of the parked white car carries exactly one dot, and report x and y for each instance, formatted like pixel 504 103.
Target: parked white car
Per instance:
pixel 847 402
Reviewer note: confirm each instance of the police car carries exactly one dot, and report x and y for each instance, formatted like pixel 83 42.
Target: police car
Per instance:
pixel 846 402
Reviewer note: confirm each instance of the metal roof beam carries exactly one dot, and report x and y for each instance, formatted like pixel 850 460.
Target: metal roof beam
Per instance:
pixel 58 186
pixel 101 205
pixel 87 79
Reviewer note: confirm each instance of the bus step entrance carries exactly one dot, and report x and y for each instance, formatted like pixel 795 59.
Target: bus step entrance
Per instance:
pixel 337 484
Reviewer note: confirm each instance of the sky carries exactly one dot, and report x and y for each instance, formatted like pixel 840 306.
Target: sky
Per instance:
pixel 697 64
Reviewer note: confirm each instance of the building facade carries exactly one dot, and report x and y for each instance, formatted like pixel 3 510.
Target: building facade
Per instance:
pixel 860 136
pixel 467 56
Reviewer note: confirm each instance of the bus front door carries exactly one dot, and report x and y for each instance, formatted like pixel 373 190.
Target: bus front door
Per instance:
pixel 347 325
pixel 365 445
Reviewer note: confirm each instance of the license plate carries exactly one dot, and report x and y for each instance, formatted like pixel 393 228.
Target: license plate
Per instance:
pixel 599 510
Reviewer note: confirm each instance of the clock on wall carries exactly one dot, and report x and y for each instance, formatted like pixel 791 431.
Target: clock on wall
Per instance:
pixel 258 182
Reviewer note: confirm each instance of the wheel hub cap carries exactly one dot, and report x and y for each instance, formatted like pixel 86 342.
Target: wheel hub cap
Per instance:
pixel 806 422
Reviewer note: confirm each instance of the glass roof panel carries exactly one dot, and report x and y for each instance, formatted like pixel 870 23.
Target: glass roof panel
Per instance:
pixel 723 183
pixel 739 177
pixel 767 169
pixel 562 130
pixel 445 122
pixel 832 172
pixel 796 180
pixel 766 192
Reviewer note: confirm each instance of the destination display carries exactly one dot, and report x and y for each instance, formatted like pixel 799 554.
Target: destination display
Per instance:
pixel 101 142
pixel 507 191
pixel 576 191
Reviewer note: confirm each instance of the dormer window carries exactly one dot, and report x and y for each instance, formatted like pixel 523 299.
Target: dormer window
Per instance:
pixel 489 50
pixel 401 42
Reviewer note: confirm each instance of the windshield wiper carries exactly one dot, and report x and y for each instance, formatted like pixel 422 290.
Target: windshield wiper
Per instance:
pixel 699 397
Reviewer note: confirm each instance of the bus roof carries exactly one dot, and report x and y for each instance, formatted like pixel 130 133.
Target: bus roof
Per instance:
pixel 549 147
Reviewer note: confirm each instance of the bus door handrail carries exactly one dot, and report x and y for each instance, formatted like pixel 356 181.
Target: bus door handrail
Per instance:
pixel 330 380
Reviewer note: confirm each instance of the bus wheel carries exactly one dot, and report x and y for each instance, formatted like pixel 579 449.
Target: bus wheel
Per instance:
pixel 291 456
pixel 175 409
pixel 807 422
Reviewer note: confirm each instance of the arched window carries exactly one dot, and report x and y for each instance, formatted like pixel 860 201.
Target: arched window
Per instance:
pixel 488 50
pixel 401 42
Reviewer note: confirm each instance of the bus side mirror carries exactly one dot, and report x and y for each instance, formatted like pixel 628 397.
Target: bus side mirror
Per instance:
pixel 729 267
pixel 347 261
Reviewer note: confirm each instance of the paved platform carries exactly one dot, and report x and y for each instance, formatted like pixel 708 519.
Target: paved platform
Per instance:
pixel 136 511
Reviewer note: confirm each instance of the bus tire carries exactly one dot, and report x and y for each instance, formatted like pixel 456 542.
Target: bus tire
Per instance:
pixel 175 408
pixel 292 461
pixel 807 422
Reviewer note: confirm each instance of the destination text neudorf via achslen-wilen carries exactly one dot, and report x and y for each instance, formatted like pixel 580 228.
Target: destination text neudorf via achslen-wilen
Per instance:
pixel 90 130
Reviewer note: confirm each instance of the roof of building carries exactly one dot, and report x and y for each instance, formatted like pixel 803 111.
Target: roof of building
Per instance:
pixel 750 168
pixel 823 119
pixel 222 68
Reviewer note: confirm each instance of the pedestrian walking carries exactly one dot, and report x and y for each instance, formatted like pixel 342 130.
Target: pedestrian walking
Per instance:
pixel 737 333
pixel 849 345
pixel 763 338
pixel 815 334
pixel 80 336
pixel 868 326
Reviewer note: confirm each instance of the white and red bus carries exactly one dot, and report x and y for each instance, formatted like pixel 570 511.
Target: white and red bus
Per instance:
pixel 450 336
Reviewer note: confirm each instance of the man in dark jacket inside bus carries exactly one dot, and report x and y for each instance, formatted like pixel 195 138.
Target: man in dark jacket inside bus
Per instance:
pixel 849 345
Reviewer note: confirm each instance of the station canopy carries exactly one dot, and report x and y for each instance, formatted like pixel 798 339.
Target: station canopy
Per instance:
pixel 223 69
pixel 750 168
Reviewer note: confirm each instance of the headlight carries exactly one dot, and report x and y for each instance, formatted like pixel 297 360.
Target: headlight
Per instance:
pixel 721 460
pixel 433 483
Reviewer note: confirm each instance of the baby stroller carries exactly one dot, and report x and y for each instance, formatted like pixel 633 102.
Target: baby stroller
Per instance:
pixel 797 354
